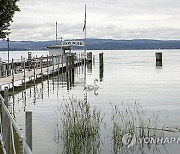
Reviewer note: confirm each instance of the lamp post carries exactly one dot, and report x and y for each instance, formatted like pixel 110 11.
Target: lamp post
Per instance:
pixel 8 49
pixel 61 44
pixel 8 58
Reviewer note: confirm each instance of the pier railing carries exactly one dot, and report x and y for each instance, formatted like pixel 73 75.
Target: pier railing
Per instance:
pixel 32 69
pixel 12 140
pixel 18 66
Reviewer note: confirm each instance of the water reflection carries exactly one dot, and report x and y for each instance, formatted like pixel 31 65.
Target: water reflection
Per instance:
pixel 70 79
pixel 89 68
pixel 91 87
pixel 101 74
pixel 95 92
pixel 159 67
pixel 40 89
pixel 34 98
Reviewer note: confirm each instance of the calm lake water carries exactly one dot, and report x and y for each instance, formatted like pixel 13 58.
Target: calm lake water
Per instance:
pixel 128 77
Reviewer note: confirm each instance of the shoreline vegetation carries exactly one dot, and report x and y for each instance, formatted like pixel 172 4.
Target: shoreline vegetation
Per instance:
pixel 96 44
pixel 78 128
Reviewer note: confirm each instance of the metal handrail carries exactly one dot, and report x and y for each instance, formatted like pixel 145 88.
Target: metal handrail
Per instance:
pixel 12 121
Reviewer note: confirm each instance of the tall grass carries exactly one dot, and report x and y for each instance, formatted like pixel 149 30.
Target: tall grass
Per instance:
pixel 79 127
pixel 132 119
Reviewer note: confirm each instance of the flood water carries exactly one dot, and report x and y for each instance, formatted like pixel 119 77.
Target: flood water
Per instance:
pixel 128 77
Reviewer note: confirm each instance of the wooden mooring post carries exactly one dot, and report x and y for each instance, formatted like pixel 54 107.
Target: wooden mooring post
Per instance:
pixel 93 59
pixel 159 59
pixel 53 64
pixel 67 63
pixel 29 59
pixel 101 66
pixel 6 96
pixel 4 71
pixel 5 122
pixel 72 58
pixel 29 129
pixel 101 63
pixel 41 66
pixel 89 55
pixel 0 67
pixel 59 57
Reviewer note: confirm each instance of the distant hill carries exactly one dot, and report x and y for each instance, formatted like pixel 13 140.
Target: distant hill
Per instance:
pixel 97 44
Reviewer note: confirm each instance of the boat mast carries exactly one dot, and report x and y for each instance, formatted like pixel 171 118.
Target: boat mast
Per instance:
pixel 56 32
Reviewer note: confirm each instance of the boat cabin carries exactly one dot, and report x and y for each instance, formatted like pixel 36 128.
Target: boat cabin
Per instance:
pixel 64 49
pixel 59 50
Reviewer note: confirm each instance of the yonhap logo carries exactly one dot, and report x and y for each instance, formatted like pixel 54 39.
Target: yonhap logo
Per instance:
pixel 129 140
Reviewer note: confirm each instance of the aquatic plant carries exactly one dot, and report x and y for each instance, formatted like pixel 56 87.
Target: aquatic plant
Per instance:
pixel 79 127
pixel 130 125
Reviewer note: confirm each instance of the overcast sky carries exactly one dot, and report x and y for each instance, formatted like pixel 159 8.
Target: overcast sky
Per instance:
pixel 115 19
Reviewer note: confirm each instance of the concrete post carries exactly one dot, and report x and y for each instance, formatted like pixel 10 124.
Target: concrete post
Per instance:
pixel 72 62
pixel 67 63
pixel 6 96
pixel 3 70
pixel 29 59
pixel 159 59
pixel 89 56
pixel 101 63
pixel 41 63
pixel 48 66
pixel 6 122
pixel 0 67
pixel 53 63
pixel 29 129
pixel 94 59
pixel 101 66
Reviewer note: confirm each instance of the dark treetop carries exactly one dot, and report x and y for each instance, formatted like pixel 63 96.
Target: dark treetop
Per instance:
pixel 7 10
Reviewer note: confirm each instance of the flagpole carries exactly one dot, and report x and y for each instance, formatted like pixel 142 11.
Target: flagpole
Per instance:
pixel 85 33
pixel 84 29
pixel 85 48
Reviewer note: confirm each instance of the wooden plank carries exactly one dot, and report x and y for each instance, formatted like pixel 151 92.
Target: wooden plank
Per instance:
pixel 28 74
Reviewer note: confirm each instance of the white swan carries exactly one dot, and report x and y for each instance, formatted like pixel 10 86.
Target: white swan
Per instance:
pixel 92 87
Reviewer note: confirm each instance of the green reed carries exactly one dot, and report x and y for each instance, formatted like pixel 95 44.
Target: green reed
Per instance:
pixel 79 128
pixel 132 119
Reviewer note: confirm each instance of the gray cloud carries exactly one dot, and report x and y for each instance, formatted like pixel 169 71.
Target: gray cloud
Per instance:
pixel 112 31
pixel 118 19
pixel 45 31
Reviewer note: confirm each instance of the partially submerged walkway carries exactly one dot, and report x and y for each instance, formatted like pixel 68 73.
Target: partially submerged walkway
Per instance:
pixel 33 69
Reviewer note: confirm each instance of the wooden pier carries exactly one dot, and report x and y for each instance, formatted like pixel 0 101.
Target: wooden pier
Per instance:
pixel 35 68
